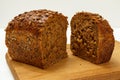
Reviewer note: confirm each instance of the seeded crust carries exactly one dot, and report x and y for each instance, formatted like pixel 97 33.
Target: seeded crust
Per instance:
pixel 91 37
pixel 37 37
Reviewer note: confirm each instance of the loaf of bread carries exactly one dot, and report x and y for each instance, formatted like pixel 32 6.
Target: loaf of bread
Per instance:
pixel 37 37
pixel 91 37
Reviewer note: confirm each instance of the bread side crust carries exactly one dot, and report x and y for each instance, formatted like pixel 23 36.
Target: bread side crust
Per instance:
pixel 105 42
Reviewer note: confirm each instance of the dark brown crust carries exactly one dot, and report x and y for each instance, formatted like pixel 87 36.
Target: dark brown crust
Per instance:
pixel 105 42
pixel 102 31
pixel 32 21
pixel 37 37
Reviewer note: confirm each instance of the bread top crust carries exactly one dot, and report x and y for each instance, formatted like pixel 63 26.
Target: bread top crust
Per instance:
pixel 33 21
pixel 94 17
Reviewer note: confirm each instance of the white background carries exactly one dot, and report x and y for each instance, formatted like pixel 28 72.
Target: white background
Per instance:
pixel 109 9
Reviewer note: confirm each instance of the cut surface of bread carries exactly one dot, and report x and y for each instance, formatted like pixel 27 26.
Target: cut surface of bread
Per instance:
pixel 91 37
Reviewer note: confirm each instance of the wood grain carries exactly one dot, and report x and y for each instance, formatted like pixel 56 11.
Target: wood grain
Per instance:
pixel 71 68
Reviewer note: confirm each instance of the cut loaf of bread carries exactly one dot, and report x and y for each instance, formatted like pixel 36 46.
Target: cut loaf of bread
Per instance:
pixel 37 37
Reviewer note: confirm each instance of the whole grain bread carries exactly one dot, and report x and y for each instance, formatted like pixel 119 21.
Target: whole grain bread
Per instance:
pixel 91 37
pixel 37 37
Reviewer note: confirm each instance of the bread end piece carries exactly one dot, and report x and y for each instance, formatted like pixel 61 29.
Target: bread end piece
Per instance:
pixel 91 37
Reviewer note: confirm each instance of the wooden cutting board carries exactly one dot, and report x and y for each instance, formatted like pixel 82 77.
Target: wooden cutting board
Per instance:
pixel 71 68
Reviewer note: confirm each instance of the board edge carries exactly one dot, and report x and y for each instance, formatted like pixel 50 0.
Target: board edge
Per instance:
pixel 11 67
